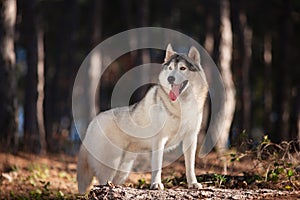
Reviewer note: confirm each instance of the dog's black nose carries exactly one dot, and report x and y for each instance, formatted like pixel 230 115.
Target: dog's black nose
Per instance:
pixel 171 79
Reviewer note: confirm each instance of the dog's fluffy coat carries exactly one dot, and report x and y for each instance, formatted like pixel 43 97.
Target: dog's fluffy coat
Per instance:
pixel 171 111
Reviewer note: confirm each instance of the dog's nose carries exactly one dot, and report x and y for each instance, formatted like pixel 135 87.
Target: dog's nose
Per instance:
pixel 171 79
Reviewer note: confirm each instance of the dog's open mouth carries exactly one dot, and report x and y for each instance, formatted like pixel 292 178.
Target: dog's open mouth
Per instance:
pixel 176 90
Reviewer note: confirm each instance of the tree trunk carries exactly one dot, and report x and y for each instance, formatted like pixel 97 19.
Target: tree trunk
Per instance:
pixel 96 57
pixel 61 68
pixel 40 90
pixel 225 67
pixel 298 112
pixel 283 78
pixel 268 89
pixel 30 117
pixel 245 34
pixel 88 110
pixel 220 26
pixel 8 96
pixel 144 56
pixel 205 141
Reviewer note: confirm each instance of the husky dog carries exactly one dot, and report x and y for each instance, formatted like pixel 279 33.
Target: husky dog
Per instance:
pixel 177 101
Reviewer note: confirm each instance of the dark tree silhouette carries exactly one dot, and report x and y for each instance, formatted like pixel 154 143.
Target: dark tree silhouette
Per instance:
pixel 8 81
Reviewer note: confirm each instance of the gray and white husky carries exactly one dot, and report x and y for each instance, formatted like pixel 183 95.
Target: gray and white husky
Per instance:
pixel 170 113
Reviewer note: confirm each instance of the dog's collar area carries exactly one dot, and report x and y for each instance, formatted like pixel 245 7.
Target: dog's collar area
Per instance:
pixel 190 64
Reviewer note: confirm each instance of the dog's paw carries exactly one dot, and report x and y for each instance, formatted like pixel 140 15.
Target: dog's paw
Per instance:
pixel 195 185
pixel 157 186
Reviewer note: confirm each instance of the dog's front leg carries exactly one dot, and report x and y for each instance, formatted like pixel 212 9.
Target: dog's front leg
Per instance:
pixel 156 164
pixel 189 149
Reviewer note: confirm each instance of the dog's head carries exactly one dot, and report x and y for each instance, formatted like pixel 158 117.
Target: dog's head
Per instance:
pixel 179 70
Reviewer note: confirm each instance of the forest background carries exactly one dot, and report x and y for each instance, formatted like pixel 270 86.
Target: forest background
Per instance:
pixel 44 42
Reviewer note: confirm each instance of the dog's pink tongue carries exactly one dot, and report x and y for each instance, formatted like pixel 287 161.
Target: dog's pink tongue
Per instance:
pixel 174 92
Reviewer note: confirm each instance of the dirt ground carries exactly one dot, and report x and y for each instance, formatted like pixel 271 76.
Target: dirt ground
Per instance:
pixel 26 176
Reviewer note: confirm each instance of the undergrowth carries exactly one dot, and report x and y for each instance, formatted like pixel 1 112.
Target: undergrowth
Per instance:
pixel 275 166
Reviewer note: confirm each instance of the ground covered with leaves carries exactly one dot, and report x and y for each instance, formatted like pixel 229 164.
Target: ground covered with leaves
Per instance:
pixel 121 193
pixel 26 176
pixel 269 171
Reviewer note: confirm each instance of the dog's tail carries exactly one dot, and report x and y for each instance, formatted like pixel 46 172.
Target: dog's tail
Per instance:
pixel 84 171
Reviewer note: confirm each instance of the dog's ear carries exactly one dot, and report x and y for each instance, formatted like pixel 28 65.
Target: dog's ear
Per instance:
pixel 169 52
pixel 194 55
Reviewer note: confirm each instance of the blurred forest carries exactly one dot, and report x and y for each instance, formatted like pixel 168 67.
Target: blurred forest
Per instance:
pixel 43 43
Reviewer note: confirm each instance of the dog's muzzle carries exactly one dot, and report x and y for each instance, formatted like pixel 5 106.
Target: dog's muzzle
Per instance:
pixel 176 89
pixel 171 79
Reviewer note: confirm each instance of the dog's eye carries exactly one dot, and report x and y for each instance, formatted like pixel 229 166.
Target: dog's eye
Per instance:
pixel 170 68
pixel 182 68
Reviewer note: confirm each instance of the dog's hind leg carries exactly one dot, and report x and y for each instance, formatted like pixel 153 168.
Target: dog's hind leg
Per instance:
pixel 124 167
pixel 104 173
pixel 84 171
pixel 106 165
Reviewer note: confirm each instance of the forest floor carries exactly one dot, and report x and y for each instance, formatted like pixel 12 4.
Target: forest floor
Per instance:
pixel 26 176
